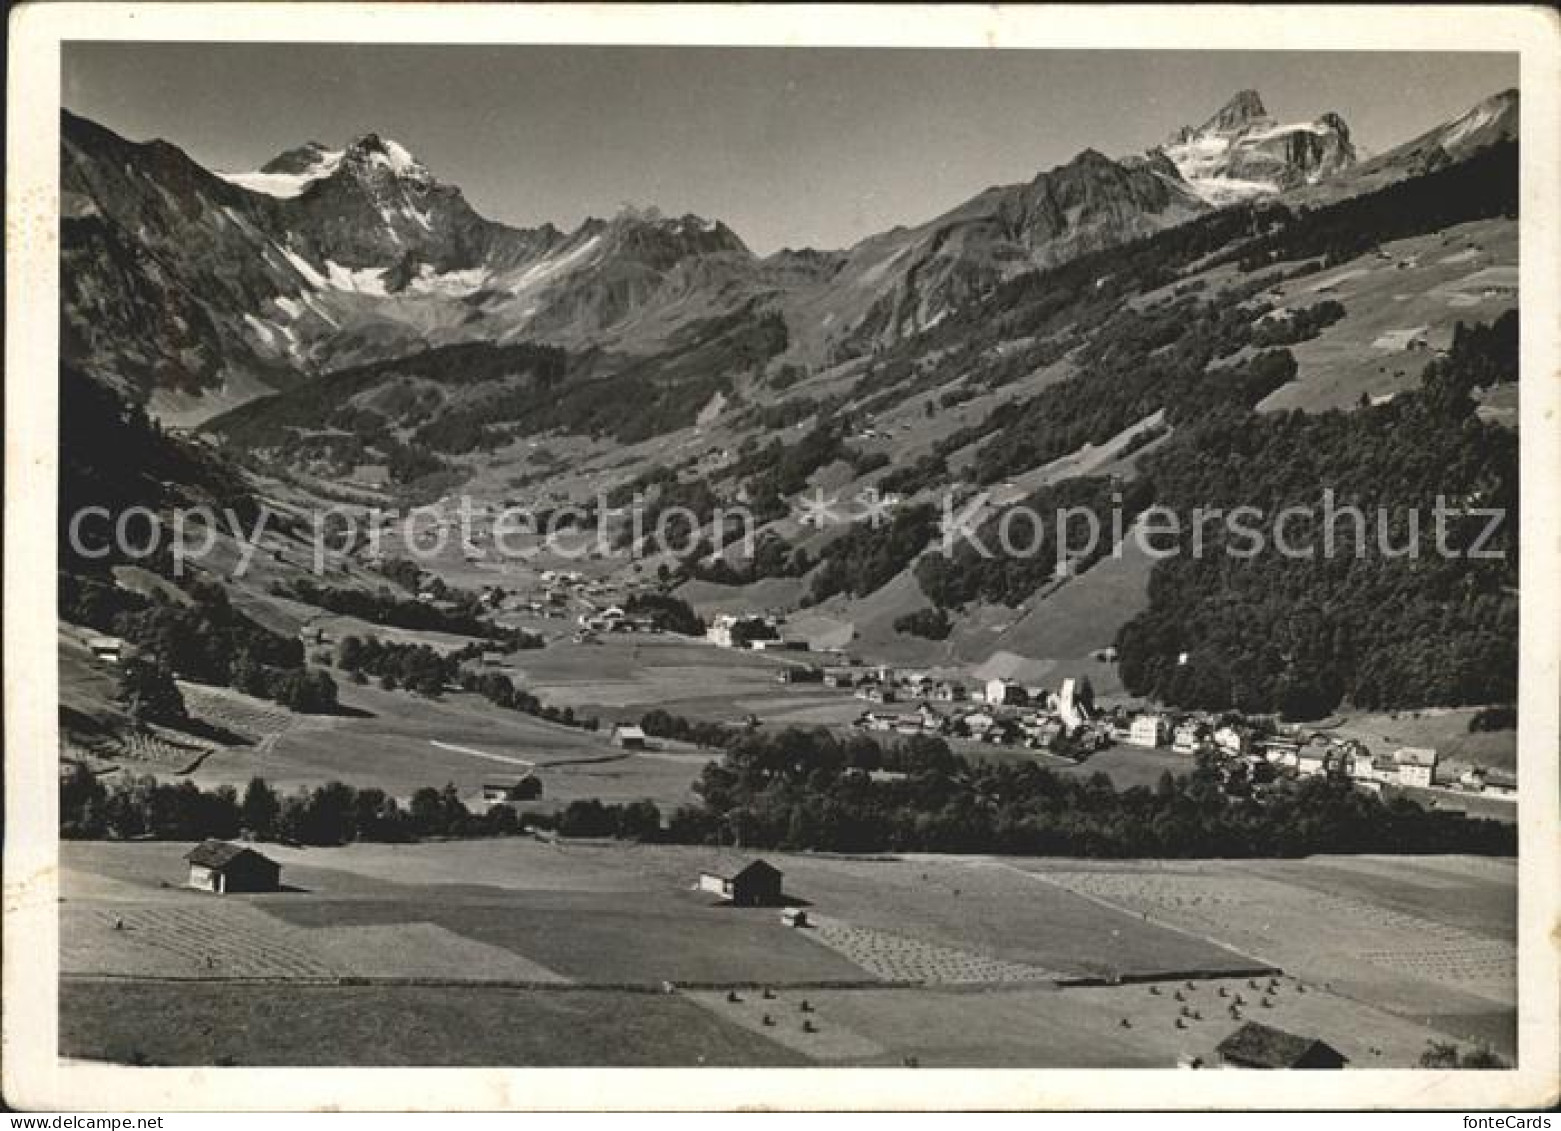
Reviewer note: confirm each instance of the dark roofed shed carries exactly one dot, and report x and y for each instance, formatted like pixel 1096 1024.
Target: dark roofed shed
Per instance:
pixel 1256 1045
pixel 221 866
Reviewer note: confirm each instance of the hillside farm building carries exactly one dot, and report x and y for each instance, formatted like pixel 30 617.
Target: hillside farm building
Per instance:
pixel 628 737
pixel 757 885
pixel 107 648
pixel 1256 1045
pixel 779 644
pixel 1416 766
pixel 527 787
pixel 217 866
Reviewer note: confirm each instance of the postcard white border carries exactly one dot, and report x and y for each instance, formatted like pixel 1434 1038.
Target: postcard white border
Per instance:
pixel 33 1076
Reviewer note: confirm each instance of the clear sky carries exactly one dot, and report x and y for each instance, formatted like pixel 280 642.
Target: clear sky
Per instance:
pixel 791 147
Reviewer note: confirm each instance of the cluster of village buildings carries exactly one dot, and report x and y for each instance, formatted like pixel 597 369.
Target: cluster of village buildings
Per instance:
pixel 1004 712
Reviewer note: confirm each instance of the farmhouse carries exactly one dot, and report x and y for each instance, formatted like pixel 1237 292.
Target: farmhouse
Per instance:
pixel 107 648
pixel 221 867
pixel 1189 737
pixel 757 885
pixel 978 723
pixel 1046 733
pixel 1232 741
pixel 492 659
pixel 628 737
pixel 1416 765
pixel 1360 765
pixel 778 644
pixel 1256 1045
pixel 526 787
pixel 1501 783
pixel 1148 730
pixel 731 631
pixel 1312 762
pixel 1281 752
pixel 800 675
pixel 907 724
pixel 1005 693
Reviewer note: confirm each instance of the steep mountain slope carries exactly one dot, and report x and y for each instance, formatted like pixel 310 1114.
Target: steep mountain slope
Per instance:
pixel 197 291
pixel 325 258
pixel 908 279
pixel 1241 152
pixel 1485 124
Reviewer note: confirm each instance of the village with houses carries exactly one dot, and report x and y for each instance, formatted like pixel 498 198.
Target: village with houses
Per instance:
pixel 1251 753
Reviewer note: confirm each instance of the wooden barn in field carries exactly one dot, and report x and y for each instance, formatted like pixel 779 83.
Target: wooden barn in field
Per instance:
pixel 220 867
pixel 1256 1045
pixel 628 737
pixel 757 885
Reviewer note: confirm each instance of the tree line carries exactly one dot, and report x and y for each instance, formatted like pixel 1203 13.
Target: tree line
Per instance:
pixel 810 789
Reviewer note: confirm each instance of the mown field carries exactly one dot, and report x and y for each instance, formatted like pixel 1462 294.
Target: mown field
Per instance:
pixel 1426 284
pixel 211 1023
pixel 1430 939
pixel 522 952
pixel 400 743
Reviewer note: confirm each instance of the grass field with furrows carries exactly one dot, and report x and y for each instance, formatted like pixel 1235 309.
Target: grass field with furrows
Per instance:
pixel 950 961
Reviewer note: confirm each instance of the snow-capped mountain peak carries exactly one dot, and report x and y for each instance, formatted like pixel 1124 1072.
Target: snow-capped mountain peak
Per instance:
pixel 369 157
pixel 1242 152
pixel 375 155
pixel 1245 109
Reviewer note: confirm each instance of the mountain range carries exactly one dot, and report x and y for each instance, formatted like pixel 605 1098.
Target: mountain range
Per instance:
pixel 195 291
pixel 1240 315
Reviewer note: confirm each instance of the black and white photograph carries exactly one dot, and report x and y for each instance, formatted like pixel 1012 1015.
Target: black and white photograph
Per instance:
pixel 740 552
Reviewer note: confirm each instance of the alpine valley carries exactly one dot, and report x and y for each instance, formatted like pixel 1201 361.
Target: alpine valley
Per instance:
pixel 1248 313
pixel 449 611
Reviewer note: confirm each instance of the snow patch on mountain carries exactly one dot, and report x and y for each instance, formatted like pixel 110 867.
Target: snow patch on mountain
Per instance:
pixel 362 280
pixel 539 273
pixel 261 329
pixel 1487 113
pixel 304 268
pixel 1219 190
pixel 287 185
pixel 429 281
